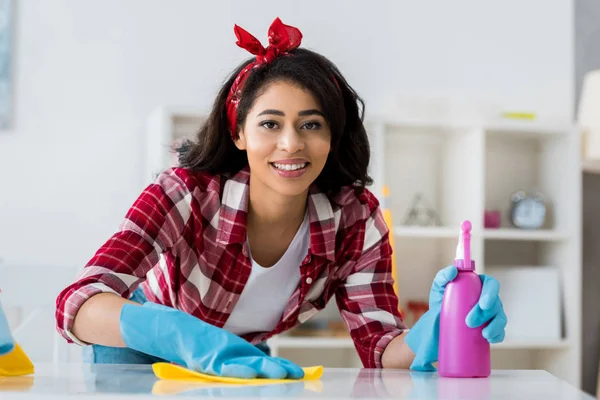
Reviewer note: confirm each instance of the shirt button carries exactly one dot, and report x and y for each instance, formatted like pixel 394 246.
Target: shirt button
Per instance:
pixel 309 280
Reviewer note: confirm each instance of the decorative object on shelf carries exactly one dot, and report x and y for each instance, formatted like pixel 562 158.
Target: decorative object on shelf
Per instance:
pixel 421 214
pixel 520 115
pixel 588 116
pixel 492 219
pixel 6 20
pixel 528 210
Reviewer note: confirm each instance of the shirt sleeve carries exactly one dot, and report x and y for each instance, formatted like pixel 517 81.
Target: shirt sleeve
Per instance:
pixel 367 301
pixel 151 226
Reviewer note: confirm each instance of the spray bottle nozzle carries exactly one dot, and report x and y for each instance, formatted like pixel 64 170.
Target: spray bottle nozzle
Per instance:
pixel 463 249
pixel 466 226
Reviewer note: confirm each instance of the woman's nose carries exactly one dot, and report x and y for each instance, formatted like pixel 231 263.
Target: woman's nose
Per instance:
pixel 290 140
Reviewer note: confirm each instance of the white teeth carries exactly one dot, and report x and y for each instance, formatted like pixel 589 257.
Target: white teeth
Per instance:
pixel 289 167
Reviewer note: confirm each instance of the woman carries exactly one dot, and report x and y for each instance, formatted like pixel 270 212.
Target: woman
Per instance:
pixel 265 219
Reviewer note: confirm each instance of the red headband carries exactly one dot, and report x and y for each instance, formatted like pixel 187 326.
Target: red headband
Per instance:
pixel 282 39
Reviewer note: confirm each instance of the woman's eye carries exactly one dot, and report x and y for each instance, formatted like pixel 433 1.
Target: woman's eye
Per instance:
pixel 269 124
pixel 312 125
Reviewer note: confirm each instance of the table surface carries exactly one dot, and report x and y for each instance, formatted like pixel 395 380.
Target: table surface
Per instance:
pixel 138 381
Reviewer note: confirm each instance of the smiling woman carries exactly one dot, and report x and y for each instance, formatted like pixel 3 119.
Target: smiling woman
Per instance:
pixel 264 221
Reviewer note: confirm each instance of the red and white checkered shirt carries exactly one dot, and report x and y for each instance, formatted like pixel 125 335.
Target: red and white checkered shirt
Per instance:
pixel 184 241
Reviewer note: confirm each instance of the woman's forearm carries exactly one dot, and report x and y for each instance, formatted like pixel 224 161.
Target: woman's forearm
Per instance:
pixel 98 320
pixel 397 354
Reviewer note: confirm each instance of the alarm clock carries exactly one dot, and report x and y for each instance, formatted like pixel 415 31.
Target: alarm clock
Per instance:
pixel 528 211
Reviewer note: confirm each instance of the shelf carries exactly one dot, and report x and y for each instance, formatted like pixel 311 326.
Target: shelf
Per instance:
pixel 497 234
pixel 499 125
pixel 528 128
pixel 426 232
pixel 519 234
pixel 591 166
pixel 532 345
pixel 346 343
pixel 312 342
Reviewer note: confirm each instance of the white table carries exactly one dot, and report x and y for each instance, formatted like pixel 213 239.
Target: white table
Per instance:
pixel 85 381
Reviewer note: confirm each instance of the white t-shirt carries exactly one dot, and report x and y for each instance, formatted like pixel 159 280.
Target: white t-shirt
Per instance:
pixel 268 290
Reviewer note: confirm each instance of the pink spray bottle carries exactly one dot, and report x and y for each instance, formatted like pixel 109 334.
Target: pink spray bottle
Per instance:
pixel 463 351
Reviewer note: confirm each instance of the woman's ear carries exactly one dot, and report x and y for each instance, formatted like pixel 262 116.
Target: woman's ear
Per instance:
pixel 240 142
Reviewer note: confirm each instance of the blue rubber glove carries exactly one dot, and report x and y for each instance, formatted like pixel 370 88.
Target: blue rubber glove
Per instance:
pixel 7 342
pixel 489 309
pixel 178 337
pixel 423 337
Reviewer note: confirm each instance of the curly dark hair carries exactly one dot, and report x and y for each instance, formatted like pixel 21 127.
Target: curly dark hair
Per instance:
pixel 214 151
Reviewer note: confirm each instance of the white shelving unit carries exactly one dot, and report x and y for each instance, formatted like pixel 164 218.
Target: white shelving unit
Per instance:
pixel 462 170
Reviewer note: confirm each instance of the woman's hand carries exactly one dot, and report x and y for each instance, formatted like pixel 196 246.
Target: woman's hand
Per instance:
pixel 178 337
pixel 489 309
pixel 423 338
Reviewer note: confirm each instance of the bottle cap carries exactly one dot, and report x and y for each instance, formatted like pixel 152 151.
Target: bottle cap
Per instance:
pixel 460 265
pixel 463 260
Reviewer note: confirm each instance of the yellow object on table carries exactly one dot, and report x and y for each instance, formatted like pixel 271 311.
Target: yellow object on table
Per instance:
pixel 15 363
pixel 519 115
pixel 387 216
pixel 168 371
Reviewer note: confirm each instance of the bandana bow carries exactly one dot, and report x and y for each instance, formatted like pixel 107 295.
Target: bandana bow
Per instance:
pixel 282 39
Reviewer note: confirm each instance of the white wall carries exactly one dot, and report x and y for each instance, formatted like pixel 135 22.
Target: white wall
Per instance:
pixel 88 73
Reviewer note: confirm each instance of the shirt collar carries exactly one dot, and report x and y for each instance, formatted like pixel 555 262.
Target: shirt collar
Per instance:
pixel 234 212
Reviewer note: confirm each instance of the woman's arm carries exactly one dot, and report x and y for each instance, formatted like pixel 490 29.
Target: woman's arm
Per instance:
pixel 98 320
pixel 367 300
pixel 397 354
pixel 151 227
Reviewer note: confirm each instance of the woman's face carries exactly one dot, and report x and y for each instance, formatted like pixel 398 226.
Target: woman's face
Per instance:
pixel 286 138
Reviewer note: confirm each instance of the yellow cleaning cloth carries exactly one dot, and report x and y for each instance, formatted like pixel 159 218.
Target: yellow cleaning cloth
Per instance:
pixel 15 363
pixel 16 383
pixel 175 372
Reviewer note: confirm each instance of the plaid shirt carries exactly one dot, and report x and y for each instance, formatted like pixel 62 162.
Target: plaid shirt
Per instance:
pixel 184 242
